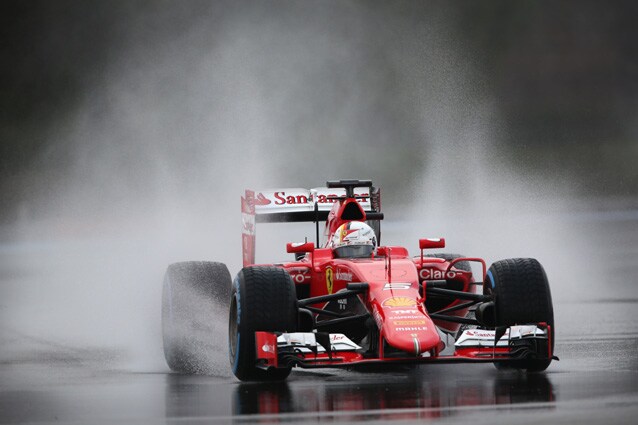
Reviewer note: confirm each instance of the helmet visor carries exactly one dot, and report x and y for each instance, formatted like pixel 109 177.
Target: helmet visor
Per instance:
pixel 353 251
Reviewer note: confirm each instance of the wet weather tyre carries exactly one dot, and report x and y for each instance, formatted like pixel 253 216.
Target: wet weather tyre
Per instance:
pixel 194 296
pixel 522 296
pixel 262 299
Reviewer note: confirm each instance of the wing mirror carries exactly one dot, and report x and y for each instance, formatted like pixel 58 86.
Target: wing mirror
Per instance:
pixel 431 243
pixel 300 247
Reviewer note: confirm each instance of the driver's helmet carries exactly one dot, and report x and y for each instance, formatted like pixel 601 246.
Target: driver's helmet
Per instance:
pixel 354 239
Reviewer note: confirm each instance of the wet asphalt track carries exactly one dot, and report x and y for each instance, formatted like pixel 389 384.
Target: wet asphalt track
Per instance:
pixel 596 381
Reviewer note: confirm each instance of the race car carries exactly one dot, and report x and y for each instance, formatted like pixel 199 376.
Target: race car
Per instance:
pixel 352 302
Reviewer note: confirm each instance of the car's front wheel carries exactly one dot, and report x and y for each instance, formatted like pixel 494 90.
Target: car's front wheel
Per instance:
pixel 262 299
pixel 522 296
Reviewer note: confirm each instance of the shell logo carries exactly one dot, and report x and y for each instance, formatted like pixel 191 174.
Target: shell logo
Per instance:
pixel 399 302
pixel 408 322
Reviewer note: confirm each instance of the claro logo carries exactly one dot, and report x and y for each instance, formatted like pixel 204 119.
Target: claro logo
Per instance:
pixel 430 274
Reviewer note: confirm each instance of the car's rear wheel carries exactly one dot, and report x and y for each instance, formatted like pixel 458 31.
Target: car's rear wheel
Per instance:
pixel 195 295
pixel 262 299
pixel 461 265
pixel 522 296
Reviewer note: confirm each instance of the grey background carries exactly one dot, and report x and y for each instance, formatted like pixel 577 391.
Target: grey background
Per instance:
pixel 122 105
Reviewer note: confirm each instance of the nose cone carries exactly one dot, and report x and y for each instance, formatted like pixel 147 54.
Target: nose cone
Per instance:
pixel 410 330
pixel 404 323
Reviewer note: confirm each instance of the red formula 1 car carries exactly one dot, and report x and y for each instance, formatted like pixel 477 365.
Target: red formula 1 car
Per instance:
pixel 355 302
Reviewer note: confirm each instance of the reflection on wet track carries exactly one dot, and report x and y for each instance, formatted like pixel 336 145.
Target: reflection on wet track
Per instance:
pixel 593 380
pixel 409 397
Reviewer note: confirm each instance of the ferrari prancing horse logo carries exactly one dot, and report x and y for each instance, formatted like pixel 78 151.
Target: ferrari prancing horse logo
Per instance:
pixel 329 281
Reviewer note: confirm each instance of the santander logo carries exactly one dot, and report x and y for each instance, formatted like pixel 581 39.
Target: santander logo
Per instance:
pixel 262 200
pixel 281 198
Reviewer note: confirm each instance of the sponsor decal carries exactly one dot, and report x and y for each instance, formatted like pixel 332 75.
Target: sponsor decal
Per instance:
pixel 329 280
pixel 281 198
pixel 261 200
pixel 268 348
pixel 248 224
pixel 412 311
pixel 396 286
pixel 344 275
pixel 303 198
pixel 408 322
pixel 399 302
pixel 343 304
pixel 299 276
pixel 411 317
pixel 430 274
pixel 413 329
pixel 345 232
pixel 483 334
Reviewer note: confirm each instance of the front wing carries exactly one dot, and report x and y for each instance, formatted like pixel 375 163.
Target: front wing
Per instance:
pixel 314 350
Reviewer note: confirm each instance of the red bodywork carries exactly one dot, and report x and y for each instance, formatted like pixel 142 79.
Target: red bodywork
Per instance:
pixel 394 299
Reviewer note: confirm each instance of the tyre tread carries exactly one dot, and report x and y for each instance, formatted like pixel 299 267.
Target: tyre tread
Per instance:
pixel 521 296
pixel 267 300
pixel 526 297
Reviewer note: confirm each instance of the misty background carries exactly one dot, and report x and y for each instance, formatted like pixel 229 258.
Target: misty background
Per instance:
pixel 129 130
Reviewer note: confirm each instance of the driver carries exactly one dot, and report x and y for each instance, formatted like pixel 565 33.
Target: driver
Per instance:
pixel 354 239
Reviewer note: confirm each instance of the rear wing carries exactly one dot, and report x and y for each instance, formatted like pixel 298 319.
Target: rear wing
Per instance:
pixel 302 205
